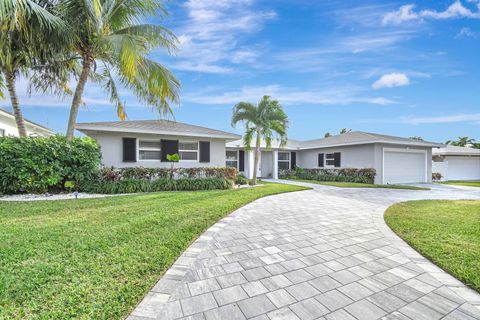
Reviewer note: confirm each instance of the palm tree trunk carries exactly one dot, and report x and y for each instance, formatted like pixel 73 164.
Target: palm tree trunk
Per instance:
pixel 17 112
pixel 77 97
pixel 255 161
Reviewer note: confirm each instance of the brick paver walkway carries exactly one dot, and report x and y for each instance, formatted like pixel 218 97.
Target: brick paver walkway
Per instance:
pixel 319 254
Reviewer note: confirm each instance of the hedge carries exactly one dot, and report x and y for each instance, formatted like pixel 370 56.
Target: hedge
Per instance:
pixel 141 173
pixel 364 175
pixel 41 164
pixel 162 184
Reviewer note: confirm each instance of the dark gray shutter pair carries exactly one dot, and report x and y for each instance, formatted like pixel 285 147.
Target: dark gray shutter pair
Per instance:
pixel 293 160
pixel 167 146
pixel 337 160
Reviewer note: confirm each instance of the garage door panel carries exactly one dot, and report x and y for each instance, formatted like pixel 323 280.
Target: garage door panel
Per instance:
pixel 404 167
pixel 464 169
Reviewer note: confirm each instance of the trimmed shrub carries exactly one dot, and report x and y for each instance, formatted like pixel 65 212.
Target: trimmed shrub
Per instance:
pixel 436 176
pixel 364 175
pixel 40 164
pixel 162 184
pixel 117 174
pixel 241 180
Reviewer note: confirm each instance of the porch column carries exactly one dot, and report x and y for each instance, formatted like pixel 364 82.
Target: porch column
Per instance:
pixel 275 164
pixel 249 160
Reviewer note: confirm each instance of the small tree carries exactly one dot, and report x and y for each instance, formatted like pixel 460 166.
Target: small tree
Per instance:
pixel 172 158
pixel 461 142
pixel 327 135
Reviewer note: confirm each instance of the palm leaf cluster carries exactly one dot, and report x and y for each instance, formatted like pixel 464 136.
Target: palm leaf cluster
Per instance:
pixel 103 41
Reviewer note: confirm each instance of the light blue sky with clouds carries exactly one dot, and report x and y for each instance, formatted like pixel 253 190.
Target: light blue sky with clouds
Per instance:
pixel 401 68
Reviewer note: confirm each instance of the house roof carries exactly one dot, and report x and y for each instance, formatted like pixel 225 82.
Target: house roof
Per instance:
pixel 454 150
pixel 349 138
pixel 28 122
pixel 360 137
pixel 165 127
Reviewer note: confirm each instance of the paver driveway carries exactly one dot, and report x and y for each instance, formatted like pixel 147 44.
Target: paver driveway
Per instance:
pixel 319 254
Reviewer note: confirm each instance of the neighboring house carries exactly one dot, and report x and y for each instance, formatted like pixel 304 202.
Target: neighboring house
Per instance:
pixel 8 126
pixel 146 143
pixel 457 163
pixel 395 159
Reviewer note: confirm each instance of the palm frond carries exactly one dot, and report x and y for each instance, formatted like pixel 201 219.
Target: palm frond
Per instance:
pixel 17 15
pixel 153 35
pixel 248 138
pixel 110 85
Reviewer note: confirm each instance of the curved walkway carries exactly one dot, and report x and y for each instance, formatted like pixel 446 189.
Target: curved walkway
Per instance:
pixel 319 254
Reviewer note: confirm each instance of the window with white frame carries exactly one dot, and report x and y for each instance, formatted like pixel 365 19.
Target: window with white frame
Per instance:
pixel 231 157
pixel 330 160
pixel 284 160
pixel 149 150
pixel 188 151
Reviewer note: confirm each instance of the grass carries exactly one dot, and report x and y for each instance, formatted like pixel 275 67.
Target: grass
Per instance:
pixel 463 183
pixel 96 258
pixel 360 185
pixel 445 231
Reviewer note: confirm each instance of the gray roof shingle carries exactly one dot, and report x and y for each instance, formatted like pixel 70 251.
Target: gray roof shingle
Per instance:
pixel 166 127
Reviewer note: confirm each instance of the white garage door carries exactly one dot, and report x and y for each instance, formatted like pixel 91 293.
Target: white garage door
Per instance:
pixel 463 169
pixel 403 167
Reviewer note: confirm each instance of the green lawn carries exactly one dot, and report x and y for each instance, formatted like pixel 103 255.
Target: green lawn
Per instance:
pixel 96 258
pixel 360 185
pixel 445 231
pixel 464 183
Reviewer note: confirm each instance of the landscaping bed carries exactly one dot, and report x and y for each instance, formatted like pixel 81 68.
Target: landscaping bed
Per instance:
pixel 96 258
pixel 445 231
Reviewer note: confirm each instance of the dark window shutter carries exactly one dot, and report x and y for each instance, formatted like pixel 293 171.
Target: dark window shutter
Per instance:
pixel 337 159
pixel 129 149
pixel 204 151
pixel 241 160
pixel 320 160
pixel 293 160
pixel 168 147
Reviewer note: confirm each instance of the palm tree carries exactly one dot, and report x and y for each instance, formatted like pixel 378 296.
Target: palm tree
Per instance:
pixel 25 27
pixel 345 130
pixel 262 121
pixel 327 135
pixel 461 142
pixel 112 48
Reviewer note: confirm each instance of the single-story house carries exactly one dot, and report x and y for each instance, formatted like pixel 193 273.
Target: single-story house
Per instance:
pixel 457 163
pixel 395 159
pixel 8 126
pixel 146 143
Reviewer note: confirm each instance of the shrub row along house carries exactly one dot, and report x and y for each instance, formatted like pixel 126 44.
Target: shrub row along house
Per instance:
pixel 147 143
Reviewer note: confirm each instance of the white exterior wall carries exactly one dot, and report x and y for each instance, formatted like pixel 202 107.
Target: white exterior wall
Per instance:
pixel 359 156
pixel 458 168
pixel 111 145
pixel 8 124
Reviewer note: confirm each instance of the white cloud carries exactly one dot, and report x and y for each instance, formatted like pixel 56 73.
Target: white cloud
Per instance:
pixel 391 80
pixel 211 37
pixel 455 11
pixel 467 33
pixel 340 96
pixel 475 117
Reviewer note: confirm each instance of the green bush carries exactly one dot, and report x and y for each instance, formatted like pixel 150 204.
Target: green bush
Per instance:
pixel 116 174
pixel 41 164
pixel 363 175
pixel 162 184
pixel 241 180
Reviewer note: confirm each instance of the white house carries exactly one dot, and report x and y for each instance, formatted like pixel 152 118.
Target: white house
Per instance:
pixel 457 163
pixel 146 143
pixel 395 159
pixel 8 126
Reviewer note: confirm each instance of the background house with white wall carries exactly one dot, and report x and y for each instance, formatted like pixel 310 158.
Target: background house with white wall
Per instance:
pixel 457 163
pixel 8 126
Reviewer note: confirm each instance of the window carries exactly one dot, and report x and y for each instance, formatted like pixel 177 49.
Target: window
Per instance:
pixel 188 151
pixel 231 159
pixel 284 160
pixel 148 150
pixel 2 132
pixel 329 160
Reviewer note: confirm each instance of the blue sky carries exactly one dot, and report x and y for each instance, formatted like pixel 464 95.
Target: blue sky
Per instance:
pixel 400 68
